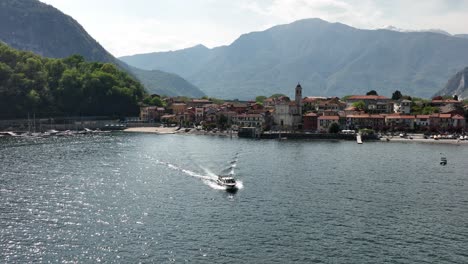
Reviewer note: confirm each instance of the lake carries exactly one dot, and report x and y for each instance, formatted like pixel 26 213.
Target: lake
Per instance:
pixel 130 198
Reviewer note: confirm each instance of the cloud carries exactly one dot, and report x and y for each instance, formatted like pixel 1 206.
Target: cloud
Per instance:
pixel 127 37
pixel 127 27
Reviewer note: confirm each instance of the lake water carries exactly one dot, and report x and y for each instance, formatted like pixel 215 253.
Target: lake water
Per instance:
pixel 130 198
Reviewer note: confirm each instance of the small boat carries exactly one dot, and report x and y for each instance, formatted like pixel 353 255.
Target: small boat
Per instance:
pixel 443 161
pixel 227 181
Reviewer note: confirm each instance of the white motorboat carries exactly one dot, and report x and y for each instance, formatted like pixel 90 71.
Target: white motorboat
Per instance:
pixel 227 181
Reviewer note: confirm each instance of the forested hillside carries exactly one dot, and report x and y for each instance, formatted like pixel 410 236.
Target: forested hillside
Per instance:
pixel 30 83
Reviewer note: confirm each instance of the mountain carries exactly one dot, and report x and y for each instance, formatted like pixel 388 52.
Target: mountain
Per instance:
pixel 164 83
pixel 457 85
pixel 326 58
pixel 31 25
pixel 439 31
pixel 461 36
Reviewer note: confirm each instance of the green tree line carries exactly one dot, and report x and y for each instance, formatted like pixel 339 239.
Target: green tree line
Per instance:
pixel 33 84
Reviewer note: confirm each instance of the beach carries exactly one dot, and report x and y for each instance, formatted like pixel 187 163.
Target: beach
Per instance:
pixel 173 130
pixel 423 140
pixel 154 130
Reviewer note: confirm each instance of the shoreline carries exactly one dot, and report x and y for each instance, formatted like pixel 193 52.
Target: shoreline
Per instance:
pixel 173 130
pixel 425 141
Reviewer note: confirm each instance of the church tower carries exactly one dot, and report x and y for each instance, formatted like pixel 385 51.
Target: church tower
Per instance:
pixel 299 98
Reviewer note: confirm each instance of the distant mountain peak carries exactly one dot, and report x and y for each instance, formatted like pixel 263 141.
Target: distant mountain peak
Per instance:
pixel 329 59
pixel 397 29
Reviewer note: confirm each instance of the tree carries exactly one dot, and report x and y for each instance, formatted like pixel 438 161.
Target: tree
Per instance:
pixel 360 105
pixel 372 92
pixel 277 95
pixel 222 121
pixel 334 128
pixel 397 95
pixel 153 101
pixel 455 97
pixel 29 82
pixel 346 97
pixel 260 99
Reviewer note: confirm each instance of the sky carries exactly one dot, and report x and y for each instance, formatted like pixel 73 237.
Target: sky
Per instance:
pixel 127 27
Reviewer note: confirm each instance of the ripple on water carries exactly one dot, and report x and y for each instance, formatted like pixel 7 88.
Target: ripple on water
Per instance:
pixel 148 198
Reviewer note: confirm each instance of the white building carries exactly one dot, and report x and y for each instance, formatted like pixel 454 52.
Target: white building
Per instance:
pixel 402 107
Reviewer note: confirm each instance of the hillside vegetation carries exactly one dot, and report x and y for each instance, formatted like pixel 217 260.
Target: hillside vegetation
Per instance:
pixel 30 83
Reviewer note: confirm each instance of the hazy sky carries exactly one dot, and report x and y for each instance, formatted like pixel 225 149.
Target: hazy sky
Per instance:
pixel 126 27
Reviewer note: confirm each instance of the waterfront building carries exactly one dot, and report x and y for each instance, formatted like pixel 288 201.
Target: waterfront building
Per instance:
pixel 288 114
pixel 324 122
pixel 400 122
pixel 151 113
pixel 402 107
pixel 169 119
pixel 310 122
pixel 178 108
pixel 440 121
pixel 458 122
pixel 376 122
pixel 199 114
pixel 422 122
pixel 250 120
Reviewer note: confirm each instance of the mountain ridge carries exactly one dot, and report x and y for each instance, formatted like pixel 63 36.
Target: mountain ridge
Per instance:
pixel 34 26
pixel 327 58
pixel 457 85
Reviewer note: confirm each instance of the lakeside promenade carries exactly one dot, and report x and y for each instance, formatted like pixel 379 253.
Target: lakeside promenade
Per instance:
pixel 417 138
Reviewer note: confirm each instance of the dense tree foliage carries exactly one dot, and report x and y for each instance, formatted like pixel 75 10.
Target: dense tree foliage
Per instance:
pixel 397 95
pixel 372 92
pixel 33 84
pixel 277 95
pixel 360 105
pixel 154 100
pixel 334 128
pixel 260 99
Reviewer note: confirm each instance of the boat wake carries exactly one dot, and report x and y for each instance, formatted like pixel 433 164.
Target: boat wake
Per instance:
pixel 209 178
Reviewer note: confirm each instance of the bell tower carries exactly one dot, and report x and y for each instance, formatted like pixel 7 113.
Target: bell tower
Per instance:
pixel 299 98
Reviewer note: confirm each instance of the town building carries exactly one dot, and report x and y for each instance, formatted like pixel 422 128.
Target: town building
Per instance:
pixel 400 122
pixel 310 122
pixel 376 122
pixel 249 120
pixel 374 104
pixel 151 113
pixel 402 107
pixel 288 114
pixel 325 122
